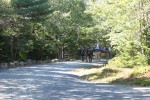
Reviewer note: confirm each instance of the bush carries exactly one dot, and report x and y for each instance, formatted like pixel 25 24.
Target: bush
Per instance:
pixel 140 60
pixel 125 60
pixel 138 70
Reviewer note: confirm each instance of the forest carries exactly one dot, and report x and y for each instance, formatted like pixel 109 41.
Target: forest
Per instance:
pixel 47 29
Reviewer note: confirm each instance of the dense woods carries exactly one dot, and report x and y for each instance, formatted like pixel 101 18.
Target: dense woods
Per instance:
pixel 46 29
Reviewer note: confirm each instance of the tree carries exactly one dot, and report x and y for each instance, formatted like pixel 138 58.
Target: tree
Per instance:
pixel 121 25
pixel 32 9
pixel 35 13
pixel 67 24
pixel 8 22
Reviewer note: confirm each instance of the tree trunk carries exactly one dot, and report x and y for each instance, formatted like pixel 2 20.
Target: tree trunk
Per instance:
pixel 11 48
pixel 62 52
pixel 59 53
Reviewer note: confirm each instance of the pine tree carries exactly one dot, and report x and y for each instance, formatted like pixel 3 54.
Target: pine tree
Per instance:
pixel 32 9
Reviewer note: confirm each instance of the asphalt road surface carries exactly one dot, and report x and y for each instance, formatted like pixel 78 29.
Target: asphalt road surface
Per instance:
pixel 55 82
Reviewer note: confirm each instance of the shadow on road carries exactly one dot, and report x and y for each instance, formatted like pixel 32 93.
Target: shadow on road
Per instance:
pixel 54 82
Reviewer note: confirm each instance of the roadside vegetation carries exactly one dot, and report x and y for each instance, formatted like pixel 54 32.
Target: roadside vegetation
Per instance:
pixel 48 29
pixel 137 76
pixel 125 24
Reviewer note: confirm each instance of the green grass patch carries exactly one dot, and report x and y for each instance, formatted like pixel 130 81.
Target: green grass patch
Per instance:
pixel 136 76
pixel 108 72
pixel 133 81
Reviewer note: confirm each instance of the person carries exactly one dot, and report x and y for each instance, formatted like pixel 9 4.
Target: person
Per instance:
pixel 96 51
pixel 109 49
pixel 104 48
pixel 96 47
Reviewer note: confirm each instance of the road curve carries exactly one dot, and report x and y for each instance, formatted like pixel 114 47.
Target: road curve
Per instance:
pixel 55 82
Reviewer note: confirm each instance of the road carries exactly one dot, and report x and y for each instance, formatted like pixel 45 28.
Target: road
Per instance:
pixel 55 82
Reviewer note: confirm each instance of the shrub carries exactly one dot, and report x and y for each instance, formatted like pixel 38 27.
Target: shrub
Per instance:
pixel 140 60
pixel 126 60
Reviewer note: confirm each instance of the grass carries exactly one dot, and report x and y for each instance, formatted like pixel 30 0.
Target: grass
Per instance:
pixel 133 81
pixel 137 76
pixel 100 74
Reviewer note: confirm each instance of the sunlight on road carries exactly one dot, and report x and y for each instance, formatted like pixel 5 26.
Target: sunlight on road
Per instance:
pixel 56 82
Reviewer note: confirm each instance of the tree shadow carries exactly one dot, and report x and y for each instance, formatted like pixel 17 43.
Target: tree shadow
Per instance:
pixel 90 67
pixel 48 82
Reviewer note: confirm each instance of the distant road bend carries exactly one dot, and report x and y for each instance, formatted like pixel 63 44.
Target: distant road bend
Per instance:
pixel 55 82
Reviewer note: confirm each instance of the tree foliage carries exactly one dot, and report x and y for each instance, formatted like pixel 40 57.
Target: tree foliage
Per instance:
pixel 43 29
pixel 127 22
pixel 39 29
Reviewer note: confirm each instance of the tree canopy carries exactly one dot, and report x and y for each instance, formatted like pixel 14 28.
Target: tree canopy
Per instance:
pixel 45 29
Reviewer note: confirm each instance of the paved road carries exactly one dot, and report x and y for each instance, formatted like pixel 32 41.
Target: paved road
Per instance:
pixel 54 82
